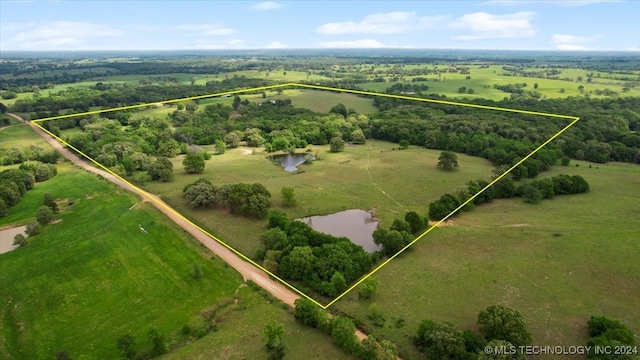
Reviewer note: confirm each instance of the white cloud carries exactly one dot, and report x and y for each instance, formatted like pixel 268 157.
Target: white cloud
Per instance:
pixel 482 25
pixel 353 44
pixel 276 45
pixel 266 6
pixel 59 35
pixel 571 42
pixel 208 29
pixel 383 23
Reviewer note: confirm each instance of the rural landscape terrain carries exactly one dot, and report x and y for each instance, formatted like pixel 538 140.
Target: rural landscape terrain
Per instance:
pixel 266 204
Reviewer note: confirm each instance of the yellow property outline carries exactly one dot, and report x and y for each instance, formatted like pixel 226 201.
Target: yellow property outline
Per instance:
pixel 573 119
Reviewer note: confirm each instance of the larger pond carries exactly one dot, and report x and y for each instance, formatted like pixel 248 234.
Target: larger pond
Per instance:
pixel 355 224
pixel 290 162
pixel 6 238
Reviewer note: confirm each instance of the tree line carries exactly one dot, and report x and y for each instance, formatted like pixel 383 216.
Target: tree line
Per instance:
pixel 14 183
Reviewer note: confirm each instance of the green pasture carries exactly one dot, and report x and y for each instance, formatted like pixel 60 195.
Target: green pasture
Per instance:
pixel 19 136
pixel 239 335
pixel 558 262
pixel 95 276
pixel 363 176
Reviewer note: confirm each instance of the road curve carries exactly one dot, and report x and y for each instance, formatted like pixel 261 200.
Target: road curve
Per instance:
pixel 248 271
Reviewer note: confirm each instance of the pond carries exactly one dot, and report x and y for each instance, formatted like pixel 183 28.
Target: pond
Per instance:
pixel 355 224
pixel 290 162
pixel 6 238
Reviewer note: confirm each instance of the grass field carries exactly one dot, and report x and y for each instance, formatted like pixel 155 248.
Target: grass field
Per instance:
pixel 482 81
pixel 360 177
pixel 557 262
pixel 19 136
pixel 239 335
pixel 94 276
pixel 318 101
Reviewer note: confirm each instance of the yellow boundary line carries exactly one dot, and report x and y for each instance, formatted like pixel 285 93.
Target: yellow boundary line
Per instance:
pixel 573 119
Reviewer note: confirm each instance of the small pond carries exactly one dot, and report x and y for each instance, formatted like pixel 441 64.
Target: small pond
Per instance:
pixel 290 162
pixel 355 224
pixel 6 238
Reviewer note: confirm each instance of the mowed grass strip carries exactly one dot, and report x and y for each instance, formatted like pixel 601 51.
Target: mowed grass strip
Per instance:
pixel 363 177
pixel 95 276
pixel 557 262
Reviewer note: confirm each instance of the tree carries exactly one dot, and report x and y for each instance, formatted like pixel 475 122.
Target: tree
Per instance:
pixel 288 196
pixel 236 102
pixel 273 334
pixel 416 222
pixel 3 108
pixel 400 225
pixel 309 313
pixel 274 239
pixel 221 147
pixel 368 288
pixel 44 215
pixel 448 160
pixel 404 144
pixel 343 332
pixel 338 282
pixel 193 163
pixel 336 144
pixel 160 345
pixel 498 322
pixel 191 108
pixel 339 109
pixel 374 313
pixel 358 137
pixel 298 264
pixel 440 341
pixel 391 241
pixel 32 228
pixel 19 240
pixel 49 202
pixel 161 169
pixel 125 346
pixel 3 208
pixel 232 140
pixel 531 194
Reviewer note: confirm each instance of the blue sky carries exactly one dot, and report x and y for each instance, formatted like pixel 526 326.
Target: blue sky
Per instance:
pixel 187 25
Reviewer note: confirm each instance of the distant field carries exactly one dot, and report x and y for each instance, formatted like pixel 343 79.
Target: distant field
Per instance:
pixel 315 100
pixel 363 176
pixel 558 262
pixel 19 136
pixel 482 81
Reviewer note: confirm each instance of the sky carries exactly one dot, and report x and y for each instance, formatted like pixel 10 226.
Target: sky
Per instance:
pixel 600 25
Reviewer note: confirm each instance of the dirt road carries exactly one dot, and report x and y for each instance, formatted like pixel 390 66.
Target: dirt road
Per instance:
pixel 248 271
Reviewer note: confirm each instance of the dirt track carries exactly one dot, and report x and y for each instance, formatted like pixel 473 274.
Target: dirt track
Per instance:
pixel 248 271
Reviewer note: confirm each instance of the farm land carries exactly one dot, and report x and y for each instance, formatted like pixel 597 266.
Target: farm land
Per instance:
pixel 535 258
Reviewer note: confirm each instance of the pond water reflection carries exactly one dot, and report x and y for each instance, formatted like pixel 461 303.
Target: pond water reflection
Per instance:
pixel 355 224
pixel 290 162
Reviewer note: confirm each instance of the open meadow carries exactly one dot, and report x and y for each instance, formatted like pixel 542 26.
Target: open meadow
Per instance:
pixel 363 177
pixel 558 262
